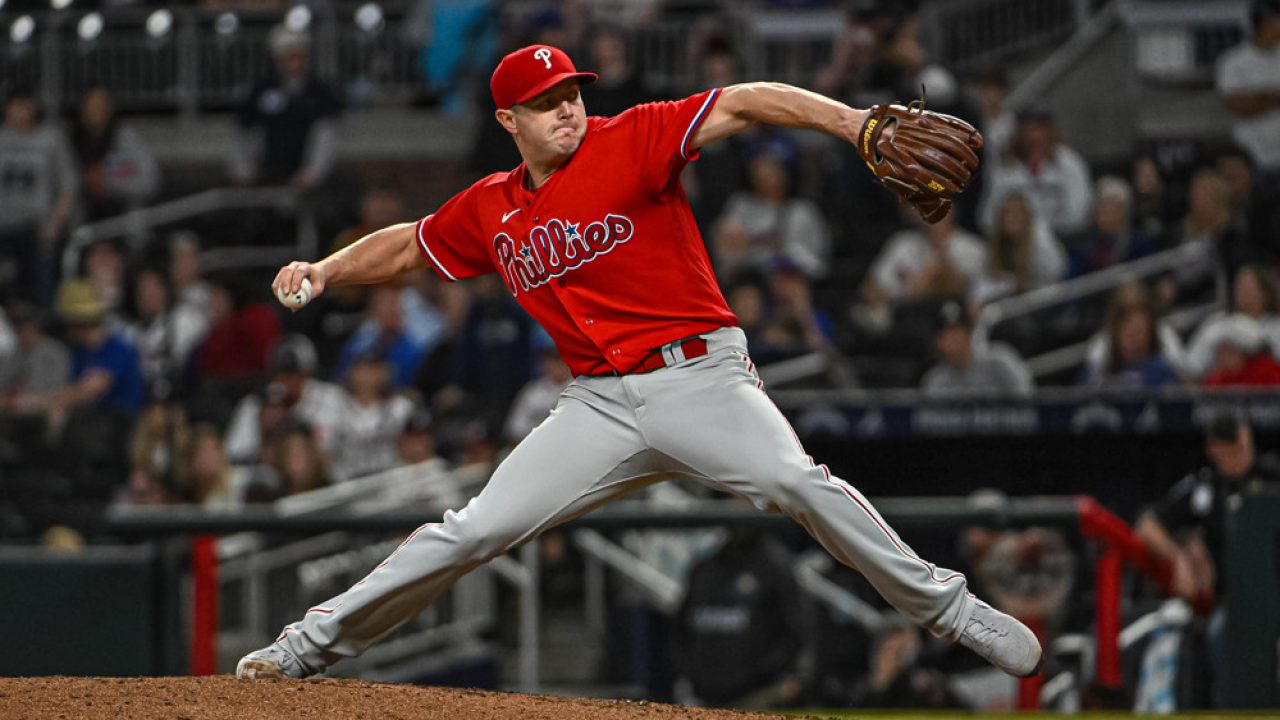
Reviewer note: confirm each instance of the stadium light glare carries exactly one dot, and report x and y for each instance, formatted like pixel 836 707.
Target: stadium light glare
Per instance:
pixel 227 24
pixel 298 19
pixel 22 29
pixel 60 4
pixel 2 2
pixel 90 27
pixel 368 17
pixel 160 23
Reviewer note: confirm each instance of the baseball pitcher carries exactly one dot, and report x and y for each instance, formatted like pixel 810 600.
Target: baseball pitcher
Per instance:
pixel 594 237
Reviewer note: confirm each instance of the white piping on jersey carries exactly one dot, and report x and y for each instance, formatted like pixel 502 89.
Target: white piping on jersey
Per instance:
pixel 697 120
pixel 423 243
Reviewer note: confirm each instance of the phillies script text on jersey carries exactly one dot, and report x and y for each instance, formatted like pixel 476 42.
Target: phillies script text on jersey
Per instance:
pixel 556 247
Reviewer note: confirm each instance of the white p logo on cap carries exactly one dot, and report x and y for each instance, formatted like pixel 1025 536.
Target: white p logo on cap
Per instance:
pixel 544 55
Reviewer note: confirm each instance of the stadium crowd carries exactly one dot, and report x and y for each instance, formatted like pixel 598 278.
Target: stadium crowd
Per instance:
pixel 142 379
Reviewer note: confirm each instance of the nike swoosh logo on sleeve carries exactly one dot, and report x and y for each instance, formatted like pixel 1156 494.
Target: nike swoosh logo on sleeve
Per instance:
pixel 509 214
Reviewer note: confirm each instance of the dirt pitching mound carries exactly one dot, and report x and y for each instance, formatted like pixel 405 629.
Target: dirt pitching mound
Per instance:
pixel 222 697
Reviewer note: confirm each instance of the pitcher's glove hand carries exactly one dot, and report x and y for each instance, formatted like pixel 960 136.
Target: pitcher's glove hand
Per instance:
pixel 927 159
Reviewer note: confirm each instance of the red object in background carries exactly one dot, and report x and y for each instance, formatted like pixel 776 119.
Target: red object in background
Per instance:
pixel 1029 688
pixel 1261 370
pixel 204 611
pixel 1109 569
pixel 242 344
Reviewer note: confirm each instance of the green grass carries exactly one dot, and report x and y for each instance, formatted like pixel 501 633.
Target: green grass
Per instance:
pixel 913 715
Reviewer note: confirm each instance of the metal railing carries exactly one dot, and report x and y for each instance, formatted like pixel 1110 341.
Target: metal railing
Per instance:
pixel 1181 41
pixel 328 561
pixel 137 227
pixel 1081 514
pixel 969 34
pixel 1085 286
pixel 208 60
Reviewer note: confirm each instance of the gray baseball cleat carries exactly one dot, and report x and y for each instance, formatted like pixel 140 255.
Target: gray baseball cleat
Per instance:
pixel 1002 641
pixel 270 663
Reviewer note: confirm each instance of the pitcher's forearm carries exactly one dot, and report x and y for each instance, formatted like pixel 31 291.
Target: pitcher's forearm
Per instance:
pixel 790 106
pixel 375 258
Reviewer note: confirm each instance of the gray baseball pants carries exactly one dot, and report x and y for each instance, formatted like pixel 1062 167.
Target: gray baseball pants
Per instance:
pixel 707 418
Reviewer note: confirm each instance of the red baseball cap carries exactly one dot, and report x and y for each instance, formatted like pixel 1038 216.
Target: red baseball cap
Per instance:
pixel 529 72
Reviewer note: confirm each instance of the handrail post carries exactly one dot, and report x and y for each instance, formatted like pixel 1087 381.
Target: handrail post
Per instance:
pixel 204 605
pixel 1107 588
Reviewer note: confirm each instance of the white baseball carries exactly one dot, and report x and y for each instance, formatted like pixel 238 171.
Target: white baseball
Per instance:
pixel 296 300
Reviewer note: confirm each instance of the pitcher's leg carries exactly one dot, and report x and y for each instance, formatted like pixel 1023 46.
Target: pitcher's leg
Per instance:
pixel 566 466
pixel 720 422
pixel 716 419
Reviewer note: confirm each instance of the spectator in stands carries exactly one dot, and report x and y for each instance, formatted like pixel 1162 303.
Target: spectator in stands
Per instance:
pixel 1187 527
pixel 435 373
pixel 620 86
pixel 1054 177
pixel 897 679
pixel 539 396
pixel 1112 237
pixel 628 13
pixel 37 195
pixel 213 481
pixel 403 351
pixel 372 418
pixel 1022 252
pixel 380 206
pixel 768 221
pixel 1241 356
pixel 925 261
pixel 289 130
pixel 902 56
pixel 420 474
pixel 142 488
pixel 416 443
pixel 1209 224
pixel 738 628
pixel 8 339
pixel 1136 293
pixel 164 334
pixel 117 171
pixel 185 277
pixel 722 166
pixel 966 368
pixel 1151 206
pixel 1248 78
pixel 791 326
pixel 491 358
pixel 294 394
pixel 38 368
pixel 105 370
pixel 850 73
pixel 236 354
pixel 1254 297
pixel 1133 349
pixel 748 298
pixel 459 39
pixel 161 439
pixel 104 266
pixel 997 122
pixel 294 462
pixel 1236 168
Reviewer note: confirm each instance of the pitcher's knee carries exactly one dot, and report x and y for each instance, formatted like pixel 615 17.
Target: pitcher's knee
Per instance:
pixel 789 485
pixel 477 542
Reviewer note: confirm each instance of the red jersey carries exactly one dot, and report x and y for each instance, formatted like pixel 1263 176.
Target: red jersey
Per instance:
pixel 605 255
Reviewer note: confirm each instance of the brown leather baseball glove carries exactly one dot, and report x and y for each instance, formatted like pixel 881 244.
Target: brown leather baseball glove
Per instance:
pixel 927 159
